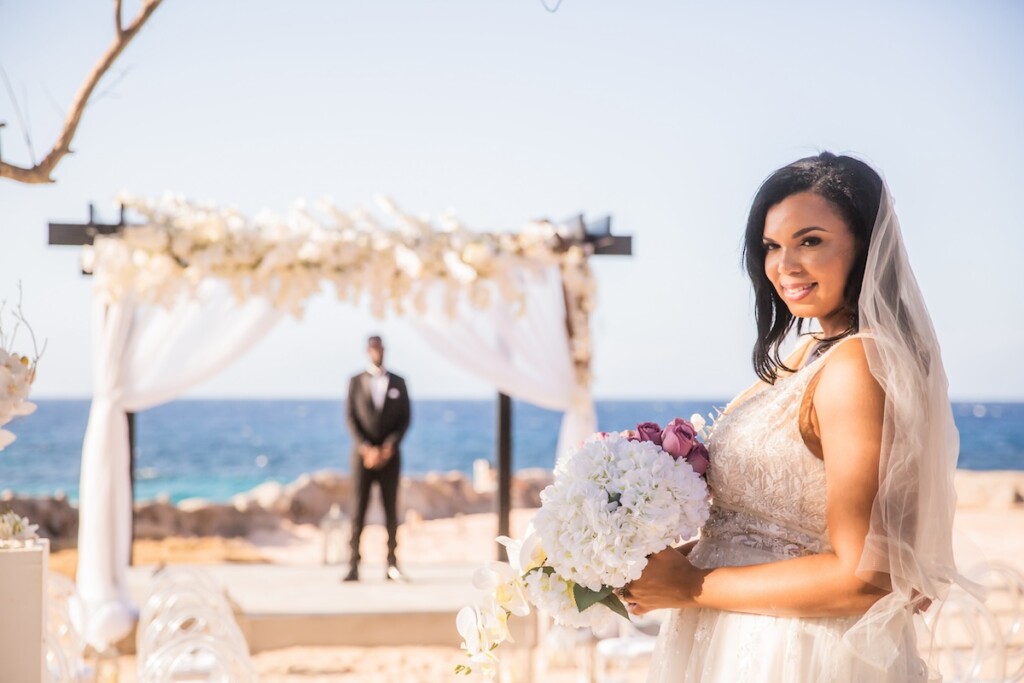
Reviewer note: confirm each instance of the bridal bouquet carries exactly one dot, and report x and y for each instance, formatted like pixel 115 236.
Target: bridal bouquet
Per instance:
pixel 615 500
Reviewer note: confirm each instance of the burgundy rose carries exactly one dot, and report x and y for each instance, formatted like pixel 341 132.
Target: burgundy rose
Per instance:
pixel 678 438
pixel 698 457
pixel 649 431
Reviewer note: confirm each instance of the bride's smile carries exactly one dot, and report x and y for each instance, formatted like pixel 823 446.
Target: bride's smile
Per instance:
pixel 809 252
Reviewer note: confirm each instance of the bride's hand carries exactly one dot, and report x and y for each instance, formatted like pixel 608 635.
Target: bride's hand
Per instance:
pixel 668 581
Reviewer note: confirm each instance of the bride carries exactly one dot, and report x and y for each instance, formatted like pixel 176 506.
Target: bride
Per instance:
pixel 831 478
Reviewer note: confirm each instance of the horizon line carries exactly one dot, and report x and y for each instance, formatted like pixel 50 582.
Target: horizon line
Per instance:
pixel 435 398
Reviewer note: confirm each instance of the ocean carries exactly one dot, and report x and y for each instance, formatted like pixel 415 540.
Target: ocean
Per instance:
pixel 215 449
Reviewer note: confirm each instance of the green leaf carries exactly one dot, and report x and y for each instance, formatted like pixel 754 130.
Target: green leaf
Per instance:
pixel 542 568
pixel 586 598
pixel 614 604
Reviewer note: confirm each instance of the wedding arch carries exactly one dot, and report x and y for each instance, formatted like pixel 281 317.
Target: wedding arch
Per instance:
pixel 187 290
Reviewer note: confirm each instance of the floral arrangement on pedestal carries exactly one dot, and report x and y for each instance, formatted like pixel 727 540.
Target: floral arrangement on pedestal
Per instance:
pixel 394 262
pixel 16 530
pixel 614 501
pixel 17 372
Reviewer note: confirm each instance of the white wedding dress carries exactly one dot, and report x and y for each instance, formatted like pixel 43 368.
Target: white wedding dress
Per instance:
pixel 768 506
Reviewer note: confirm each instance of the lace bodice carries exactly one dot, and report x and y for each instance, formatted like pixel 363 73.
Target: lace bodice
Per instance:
pixel 768 488
pixel 768 505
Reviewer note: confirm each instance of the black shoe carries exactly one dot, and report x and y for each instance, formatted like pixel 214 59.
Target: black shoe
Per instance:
pixel 395 574
pixel 353 574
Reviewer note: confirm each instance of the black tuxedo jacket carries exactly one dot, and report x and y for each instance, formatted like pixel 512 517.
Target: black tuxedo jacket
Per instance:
pixel 370 426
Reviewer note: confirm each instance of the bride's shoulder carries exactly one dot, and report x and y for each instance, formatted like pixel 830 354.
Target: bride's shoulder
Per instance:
pixel 845 378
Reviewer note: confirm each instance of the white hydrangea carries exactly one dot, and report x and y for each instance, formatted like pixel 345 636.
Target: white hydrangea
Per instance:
pixel 552 595
pixel 614 502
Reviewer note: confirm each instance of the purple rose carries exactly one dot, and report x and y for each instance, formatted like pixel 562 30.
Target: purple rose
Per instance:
pixel 678 438
pixel 649 431
pixel 698 457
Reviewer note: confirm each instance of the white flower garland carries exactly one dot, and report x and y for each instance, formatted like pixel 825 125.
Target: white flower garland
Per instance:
pixel 288 259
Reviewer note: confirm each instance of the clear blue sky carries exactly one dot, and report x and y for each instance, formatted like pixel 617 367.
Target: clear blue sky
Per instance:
pixel 665 114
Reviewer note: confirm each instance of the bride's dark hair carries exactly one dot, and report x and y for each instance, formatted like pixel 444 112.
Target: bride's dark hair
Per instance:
pixel 855 190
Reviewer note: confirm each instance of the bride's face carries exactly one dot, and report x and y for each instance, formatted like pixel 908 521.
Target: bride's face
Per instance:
pixel 809 252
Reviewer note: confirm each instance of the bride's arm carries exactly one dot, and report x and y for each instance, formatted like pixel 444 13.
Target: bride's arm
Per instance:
pixel 849 405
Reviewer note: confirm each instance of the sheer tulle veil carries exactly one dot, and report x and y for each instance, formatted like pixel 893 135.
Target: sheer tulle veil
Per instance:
pixel 908 549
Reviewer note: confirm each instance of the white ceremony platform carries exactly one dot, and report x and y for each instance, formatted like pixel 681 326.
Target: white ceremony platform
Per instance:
pixel 280 606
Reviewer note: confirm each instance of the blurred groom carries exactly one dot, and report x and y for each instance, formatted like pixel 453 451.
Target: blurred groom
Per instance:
pixel 378 414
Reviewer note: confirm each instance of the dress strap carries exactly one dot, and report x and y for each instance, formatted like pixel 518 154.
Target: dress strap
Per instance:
pixel 814 356
pixel 805 412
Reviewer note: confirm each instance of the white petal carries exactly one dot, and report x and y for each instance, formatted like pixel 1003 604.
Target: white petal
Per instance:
pixel 24 408
pixel 467 624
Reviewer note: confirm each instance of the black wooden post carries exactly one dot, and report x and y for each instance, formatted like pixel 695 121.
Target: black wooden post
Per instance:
pixel 131 473
pixel 504 468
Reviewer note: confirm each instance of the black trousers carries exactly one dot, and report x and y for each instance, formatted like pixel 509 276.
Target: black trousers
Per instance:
pixel 387 478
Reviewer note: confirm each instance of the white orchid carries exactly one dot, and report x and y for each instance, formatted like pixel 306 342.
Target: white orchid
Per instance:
pixel 526 553
pixel 17 373
pixel 505 587
pixel 482 630
pixel 16 528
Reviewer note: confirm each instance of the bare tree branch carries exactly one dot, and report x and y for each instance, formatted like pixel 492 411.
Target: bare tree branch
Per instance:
pixel 108 91
pixel 21 116
pixel 53 101
pixel 41 172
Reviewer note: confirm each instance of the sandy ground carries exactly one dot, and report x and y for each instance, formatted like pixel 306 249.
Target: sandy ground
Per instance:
pixel 982 534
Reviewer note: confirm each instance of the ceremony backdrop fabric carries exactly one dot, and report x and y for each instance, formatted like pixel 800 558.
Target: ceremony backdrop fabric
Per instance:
pixel 525 354
pixel 143 355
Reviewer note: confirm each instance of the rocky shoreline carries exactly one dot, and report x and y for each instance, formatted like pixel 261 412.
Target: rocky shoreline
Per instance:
pixel 434 496
pixel 304 501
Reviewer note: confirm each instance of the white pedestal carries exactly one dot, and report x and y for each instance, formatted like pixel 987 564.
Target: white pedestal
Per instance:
pixel 23 611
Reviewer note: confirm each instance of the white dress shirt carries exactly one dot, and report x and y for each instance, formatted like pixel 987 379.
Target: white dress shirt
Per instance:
pixel 379 380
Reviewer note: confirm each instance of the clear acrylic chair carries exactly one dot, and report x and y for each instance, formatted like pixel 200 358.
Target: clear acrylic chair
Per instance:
pixel 174 583
pixel 1005 600
pixel 198 658
pixel 614 657
pixel 187 619
pixel 64 628
pixel 58 668
pixel 965 640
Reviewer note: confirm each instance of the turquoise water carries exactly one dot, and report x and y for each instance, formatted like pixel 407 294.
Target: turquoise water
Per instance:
pixel 215 449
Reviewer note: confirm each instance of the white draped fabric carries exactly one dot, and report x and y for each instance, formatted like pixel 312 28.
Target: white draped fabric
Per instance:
pixel 143 355
pixel 525 355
